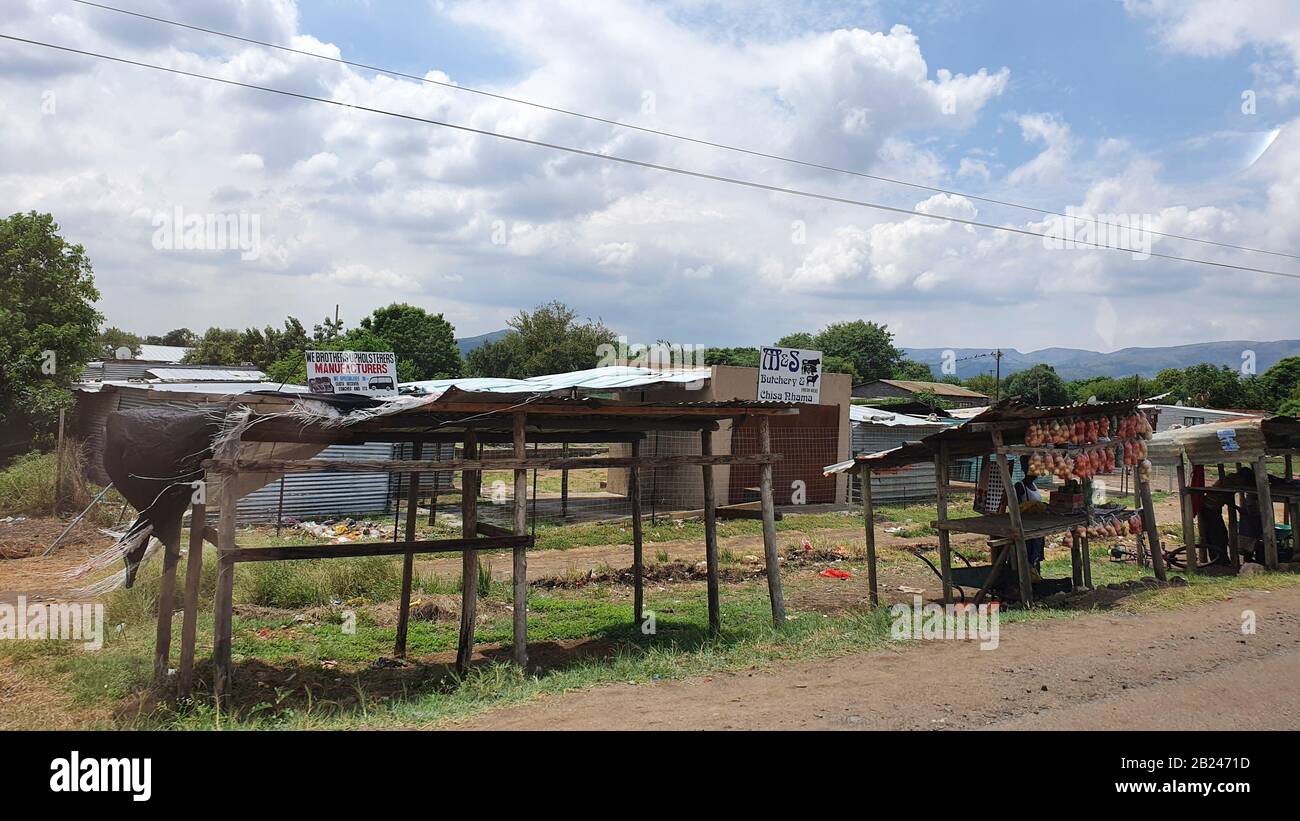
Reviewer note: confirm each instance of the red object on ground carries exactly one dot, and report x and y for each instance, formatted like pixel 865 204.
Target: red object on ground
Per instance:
pixel 836 573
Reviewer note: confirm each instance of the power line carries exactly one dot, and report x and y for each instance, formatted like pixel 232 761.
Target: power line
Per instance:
pixel 670 134
pixel 685 172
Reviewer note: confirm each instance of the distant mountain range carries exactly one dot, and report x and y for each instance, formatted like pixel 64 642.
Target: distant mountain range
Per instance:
pixel 1070 363
pixel 469 343
pixel 1076 363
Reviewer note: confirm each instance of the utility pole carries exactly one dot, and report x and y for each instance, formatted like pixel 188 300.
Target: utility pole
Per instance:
pixel 997 380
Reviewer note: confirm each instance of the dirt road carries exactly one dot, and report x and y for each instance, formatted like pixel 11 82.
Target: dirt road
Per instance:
pixel 1186 668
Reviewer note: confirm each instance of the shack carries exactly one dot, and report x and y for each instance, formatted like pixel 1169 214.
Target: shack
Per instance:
pixel 279 435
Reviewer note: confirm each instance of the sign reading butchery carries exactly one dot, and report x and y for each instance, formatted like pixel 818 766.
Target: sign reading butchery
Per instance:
pixel 368 373
pixel 790 375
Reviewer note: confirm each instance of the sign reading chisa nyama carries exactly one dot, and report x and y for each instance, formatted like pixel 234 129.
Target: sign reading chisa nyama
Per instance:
pixel 790 375
pixel 368 373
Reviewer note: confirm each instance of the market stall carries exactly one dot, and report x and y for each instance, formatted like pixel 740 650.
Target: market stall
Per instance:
pixel 1075 444
pixel 1245 484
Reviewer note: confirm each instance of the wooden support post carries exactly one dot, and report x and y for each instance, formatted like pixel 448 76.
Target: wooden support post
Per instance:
pixel 469 483
pixel 769 525
pixel 638 583
pixel 1265 499
pixel 1087 561
pixel 564 482
pixel 941 500
pixel 868 517
pixel 1149 522
pixel 1189 523
pixel 223 598
pixel 166 610
pixel 520 570
pixel 408 561
pixel 1017 526
pixel 710 535
pixel 1076 560
pixel 190 617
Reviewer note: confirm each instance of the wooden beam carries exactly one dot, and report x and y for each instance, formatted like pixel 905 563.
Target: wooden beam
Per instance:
pixel 1017 527
pixel 520 564
pixel 1185 510
pixel 281 466
pixel 1265 495
pixel 166 610
pixel 1149 522
pixel 1087 561
pixel 223 598
pixel 408 560
pixel 710 535
pixel 1076 560
pixel 352 550
pixel 769 525
pixel 638 582
pixel 869 520
pixel 941 504
pixel 190 617
pixel 469 559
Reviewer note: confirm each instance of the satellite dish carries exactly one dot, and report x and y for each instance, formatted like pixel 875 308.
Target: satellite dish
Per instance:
pixel 124 353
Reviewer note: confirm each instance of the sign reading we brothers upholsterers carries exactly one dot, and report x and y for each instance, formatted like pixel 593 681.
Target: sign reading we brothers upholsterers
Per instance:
pixel 369 373
pixel 790 375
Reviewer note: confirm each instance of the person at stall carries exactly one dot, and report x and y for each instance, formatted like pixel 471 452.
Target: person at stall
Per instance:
pixel 1027 491
pixel 1214 533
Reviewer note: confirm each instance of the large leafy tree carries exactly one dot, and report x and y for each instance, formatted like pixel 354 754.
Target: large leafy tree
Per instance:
pixel 551 339
pixel 1039 385
pixel 869 346
pixel 48 321
pixel 1205 385
pixel 1278 384
pixel 180 338
pixel 112 339
pixel 426 341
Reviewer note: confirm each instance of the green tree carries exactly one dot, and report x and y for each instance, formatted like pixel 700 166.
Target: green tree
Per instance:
pixel 984 383
pixel 1204 385
pixel 425 340
pixel 48 321
pixel 912 370
pixel 870 347
pixel 551 339
pixel 1278 384
pixel 741 357
pixel 179 338
pixel 1039 385
pixel 113 339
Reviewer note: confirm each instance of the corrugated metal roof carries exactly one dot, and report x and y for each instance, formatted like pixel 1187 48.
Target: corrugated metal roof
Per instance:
pixel 876 416
pixel 612 378
pixel 207 374
pixel 213 388
pixel 936 388
pixel 162 353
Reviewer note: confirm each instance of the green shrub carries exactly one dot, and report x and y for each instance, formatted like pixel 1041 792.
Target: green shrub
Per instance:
pixel 27 485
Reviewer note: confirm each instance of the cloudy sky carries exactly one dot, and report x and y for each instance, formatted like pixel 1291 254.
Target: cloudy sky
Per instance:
pixel 1179 113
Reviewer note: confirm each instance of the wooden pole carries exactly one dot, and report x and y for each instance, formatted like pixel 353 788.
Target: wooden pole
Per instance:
pixel 166 610
pixel 1076 560
pixel 223 598
pixel 1189 524
pixel 190 617
pixel 564 482
pixel 58 464
pixel 1265 498
pixel 520 570
pixel 634 496
pixel 408 561
pixel 941 505
pixel 1017 526
pixel 1234 550
pixel 1087 561
pixel 1149 522
pixel 769 525
pixel 710 535
pixel 868 517
pixel 469 559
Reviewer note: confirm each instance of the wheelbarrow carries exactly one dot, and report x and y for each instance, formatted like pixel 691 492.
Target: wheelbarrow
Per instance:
pixel 972 575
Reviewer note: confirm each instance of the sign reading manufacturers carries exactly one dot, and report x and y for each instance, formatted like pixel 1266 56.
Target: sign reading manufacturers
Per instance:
pixel 368 373
pixel 790 375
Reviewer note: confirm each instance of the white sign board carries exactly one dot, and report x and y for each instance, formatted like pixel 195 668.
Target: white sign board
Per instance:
pixel 368 373
pixel 790 375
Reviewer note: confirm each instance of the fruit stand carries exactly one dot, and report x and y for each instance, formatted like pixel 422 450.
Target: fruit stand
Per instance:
pixel 1248 442
pixel 1074 444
